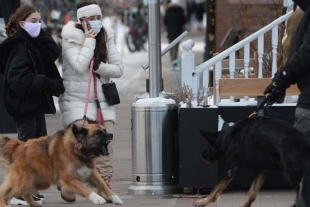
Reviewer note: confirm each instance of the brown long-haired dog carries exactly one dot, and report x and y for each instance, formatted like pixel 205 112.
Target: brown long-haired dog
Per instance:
pixel 67 157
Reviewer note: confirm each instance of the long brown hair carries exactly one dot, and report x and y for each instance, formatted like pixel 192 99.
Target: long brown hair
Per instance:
pixel 101 51
pixel 20 14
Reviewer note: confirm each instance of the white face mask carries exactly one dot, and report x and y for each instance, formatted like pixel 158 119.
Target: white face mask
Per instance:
pixel 33 29
pixel 95 25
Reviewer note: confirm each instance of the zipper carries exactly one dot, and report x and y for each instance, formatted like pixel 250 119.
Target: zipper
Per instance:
pixel 34 64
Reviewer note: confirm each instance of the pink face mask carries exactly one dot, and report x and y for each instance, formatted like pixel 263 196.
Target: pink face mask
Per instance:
pixel 33 29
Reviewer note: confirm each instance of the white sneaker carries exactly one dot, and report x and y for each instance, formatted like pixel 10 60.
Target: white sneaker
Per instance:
pixel 20 201
pixel 38 197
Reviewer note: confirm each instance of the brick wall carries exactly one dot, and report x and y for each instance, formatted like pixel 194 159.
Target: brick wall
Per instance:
pixel 252 16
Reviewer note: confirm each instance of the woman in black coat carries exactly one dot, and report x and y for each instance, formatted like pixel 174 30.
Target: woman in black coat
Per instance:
pixel 31 77
pixel 297 71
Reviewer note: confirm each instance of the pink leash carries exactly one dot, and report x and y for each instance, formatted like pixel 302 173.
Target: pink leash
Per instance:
pixel 100 119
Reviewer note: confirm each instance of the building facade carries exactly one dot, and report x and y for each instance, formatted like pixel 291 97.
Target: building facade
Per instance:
pixel 244 17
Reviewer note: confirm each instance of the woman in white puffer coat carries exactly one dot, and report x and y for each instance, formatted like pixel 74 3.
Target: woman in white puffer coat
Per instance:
pixel 79 46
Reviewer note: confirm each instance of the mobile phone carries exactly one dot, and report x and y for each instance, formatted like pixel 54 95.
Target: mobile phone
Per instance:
pixel 85 20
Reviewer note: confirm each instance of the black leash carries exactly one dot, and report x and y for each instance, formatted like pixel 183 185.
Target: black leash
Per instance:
pixel 271 112
pixel 259 107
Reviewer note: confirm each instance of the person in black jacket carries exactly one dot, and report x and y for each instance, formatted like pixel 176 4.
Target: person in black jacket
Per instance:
pixel 296 71
pixel 31 78
pixel 175 21
pixel 199 12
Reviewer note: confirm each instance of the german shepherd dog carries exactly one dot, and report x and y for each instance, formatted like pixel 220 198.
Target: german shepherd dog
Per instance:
pixel 66 158
pixel 259 143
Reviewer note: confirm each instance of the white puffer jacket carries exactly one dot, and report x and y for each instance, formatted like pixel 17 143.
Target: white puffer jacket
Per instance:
pixel 77 51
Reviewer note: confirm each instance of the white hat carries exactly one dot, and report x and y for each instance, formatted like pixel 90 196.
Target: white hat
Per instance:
pixel 87 11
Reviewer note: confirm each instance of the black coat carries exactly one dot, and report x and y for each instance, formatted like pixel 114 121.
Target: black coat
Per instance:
pixel 299 63
pixel 303 4
pixel 174 21
pixel 25 62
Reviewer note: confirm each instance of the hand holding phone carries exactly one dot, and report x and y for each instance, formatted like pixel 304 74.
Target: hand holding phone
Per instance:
pixel 87 28
pixel 85 21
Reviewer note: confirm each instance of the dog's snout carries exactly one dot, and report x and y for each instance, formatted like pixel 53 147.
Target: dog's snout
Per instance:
pixel 110 136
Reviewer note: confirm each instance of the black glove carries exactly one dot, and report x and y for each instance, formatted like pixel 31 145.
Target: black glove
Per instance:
pixel 284 76
pixel 269 88
pixel 53 87
pixel 276 94
pixel 276 89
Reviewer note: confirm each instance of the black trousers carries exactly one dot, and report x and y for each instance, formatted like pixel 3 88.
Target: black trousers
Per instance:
pixel 32 128
pixel 302 123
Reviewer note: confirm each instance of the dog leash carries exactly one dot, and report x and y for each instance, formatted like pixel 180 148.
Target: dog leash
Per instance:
pixel 259 107
pixel 100 119
pixel 271 112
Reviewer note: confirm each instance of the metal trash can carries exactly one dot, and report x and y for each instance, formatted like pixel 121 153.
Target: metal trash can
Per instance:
pixel 154 147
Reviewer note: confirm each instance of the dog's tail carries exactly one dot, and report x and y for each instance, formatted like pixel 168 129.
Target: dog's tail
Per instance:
pixel 7 148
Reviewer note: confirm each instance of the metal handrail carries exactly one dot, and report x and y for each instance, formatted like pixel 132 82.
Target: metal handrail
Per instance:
pixel 192 75
pixel 206 65
pixel 171 45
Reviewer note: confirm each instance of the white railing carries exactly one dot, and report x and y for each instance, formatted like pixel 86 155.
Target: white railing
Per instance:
pixel 190 75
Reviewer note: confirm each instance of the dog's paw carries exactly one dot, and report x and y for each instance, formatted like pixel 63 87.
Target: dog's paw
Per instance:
pixel 245 205
pixel 96 199
pixel 201 203
pixel 116 200
pixel 36 204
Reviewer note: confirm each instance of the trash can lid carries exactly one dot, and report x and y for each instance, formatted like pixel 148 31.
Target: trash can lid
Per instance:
pixel 155 101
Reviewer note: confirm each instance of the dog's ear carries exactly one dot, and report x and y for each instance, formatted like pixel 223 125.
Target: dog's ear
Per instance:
pixel 210 136
pixel 79 132
pixel 225 125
